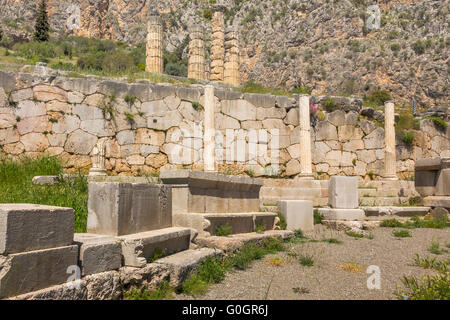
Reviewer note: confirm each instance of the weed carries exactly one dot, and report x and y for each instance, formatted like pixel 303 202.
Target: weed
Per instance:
pixel 332 240
pixel 260 228
pixel 299 234
pixel 306 260
pixel 431 263
pixel 354 234
pixel 282 224
pixel 212 270
pixel 194 285
pixel 350 267
pixel 158 254
pixel 163 292
pixel 317 217
pixel 401 233
pixel 223 230
pixel 428 288
pixel 275 261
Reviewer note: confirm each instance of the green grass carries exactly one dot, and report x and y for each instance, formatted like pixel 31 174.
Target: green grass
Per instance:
pixel 163 292
pixel 355 235
pixel 282 224
pixel 333 240
pixel 416 222
pixel 16 186
pixel 402 233
pixel 435 248
pixel 436 287
pixel 317 217
pixel 213 270
pixel 223 230
pixel 306 260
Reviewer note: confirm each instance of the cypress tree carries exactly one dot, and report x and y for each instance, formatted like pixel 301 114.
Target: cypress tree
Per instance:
pixel 42 27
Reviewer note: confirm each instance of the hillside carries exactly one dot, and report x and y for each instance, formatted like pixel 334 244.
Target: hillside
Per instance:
pixel 322 44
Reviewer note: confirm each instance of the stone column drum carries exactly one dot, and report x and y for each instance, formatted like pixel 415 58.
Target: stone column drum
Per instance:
pixel 305 138
pixel 389 160
pixel 154 60
pixel 209 131
pixel 231 65
pixel 217 45
pixel 196 65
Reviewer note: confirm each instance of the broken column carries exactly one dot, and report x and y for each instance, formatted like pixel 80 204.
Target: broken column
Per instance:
pixel 231 63
pixel 305 138
pixel 217 45
pixel 390 164
pixel 35 247
pixel 196 65
pixel 154 60
pixel 209 130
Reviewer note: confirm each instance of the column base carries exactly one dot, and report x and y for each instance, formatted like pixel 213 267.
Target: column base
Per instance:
pixel 97 172
pixel 305 176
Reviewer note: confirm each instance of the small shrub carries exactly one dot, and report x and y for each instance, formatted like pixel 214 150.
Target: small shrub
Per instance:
pixel 273 245
pixel 441 124
pixel 211 270
pixel 371 175
pixel 407 137
pixel 223 230
pixel 249 252
pixel 299 234
pixel 379 97
pixel 431 263
pixel 260 228
pixel 275 261
pixel 329 104
pixel 402 233
pixel 391 223
pixel 415 201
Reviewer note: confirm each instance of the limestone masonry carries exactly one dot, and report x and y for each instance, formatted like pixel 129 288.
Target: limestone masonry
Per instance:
pixel 68 116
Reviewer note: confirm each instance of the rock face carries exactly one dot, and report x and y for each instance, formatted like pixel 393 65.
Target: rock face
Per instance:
pixel 321 44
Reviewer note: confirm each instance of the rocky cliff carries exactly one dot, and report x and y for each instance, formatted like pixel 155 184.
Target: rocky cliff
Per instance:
pixel 323 44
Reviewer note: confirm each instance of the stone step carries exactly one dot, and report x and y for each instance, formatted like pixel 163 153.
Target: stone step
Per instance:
pixel 389 211
pixel 382 201
pixel 138 249
pixel 273 209
pixel 316 201
pixel 293 192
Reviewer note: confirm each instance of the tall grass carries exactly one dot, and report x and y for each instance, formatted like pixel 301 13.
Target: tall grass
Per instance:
pixel 16 186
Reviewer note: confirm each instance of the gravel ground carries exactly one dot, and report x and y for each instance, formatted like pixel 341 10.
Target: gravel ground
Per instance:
pixel 325 280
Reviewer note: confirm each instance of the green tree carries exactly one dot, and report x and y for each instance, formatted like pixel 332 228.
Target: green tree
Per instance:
pixel 42 27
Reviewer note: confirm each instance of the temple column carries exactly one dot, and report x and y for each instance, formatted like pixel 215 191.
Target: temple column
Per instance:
pixel 390 163
pixel 196 65
pixel 231 64
pixel 154 55
pixel 305 138
pixel 217 45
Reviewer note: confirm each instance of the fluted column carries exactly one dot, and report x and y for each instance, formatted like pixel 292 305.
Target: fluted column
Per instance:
pixel 231 65
pixel 196 65
pixel 305 138
pixel 209 130
pixel 390 163
pixel 154 60
pixel 217 45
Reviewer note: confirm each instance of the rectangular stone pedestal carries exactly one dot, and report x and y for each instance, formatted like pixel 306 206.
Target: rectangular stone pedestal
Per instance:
pixel 117 209
pixel 343 192
pixel 298 214
pixel 35 270
pixel 342 214
pixel 208 192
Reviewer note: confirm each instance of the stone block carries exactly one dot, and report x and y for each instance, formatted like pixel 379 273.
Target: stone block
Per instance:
pixel 298 214
pixel 443 183
pixel 343 192
pixel 28 227
pixel 140 248
pixel 425 182
pixel 342 214
pixel 35 270
pixel 183 263
pixel 98 253
pixel 125 208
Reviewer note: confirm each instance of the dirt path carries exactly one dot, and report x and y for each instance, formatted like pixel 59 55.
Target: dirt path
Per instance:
pixel 325 280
